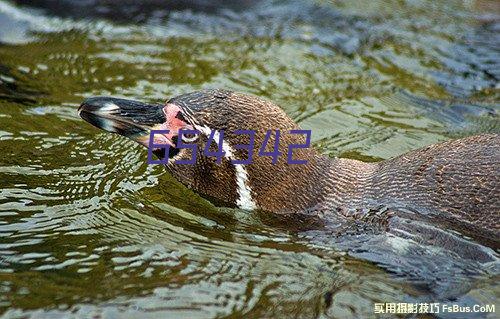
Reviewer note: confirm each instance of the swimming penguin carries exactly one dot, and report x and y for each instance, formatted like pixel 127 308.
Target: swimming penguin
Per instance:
pixel 455 183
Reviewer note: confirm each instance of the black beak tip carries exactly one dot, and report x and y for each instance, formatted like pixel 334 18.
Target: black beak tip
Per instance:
pixel 99 104
pixel 116 115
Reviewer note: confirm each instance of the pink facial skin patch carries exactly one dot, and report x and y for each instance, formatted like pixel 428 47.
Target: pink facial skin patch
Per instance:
pixel 172 124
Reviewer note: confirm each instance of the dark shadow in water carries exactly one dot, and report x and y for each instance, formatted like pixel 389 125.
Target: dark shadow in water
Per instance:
pixel 437 262
pixel 132 10
pixel 11 91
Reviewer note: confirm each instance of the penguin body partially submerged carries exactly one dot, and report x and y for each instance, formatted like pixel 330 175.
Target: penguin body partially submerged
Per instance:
pixel 454 184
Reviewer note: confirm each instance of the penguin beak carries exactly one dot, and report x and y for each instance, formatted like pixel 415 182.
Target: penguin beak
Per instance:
pixel 132 119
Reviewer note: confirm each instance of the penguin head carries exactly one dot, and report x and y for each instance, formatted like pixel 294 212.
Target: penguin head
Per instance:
pixel 220 143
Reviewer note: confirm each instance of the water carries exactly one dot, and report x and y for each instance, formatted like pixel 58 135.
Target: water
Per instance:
pixel 87 228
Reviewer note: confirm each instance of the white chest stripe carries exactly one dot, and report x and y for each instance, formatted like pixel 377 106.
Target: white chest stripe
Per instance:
pixel 245 200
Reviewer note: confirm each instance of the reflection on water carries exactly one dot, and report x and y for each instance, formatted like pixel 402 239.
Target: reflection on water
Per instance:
pixel 87 228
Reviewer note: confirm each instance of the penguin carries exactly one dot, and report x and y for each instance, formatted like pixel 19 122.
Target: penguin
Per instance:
pixel 454 184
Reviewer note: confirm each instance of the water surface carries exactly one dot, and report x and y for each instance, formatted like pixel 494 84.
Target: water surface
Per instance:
pixel 87 228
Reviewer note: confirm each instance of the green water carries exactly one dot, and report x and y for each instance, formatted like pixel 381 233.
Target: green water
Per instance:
pixel 87 228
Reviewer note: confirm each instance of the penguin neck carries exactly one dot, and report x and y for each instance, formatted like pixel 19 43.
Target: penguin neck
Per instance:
pixel 320 183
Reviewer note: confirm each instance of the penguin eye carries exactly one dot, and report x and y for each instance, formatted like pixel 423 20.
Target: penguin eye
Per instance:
pixel 189 137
